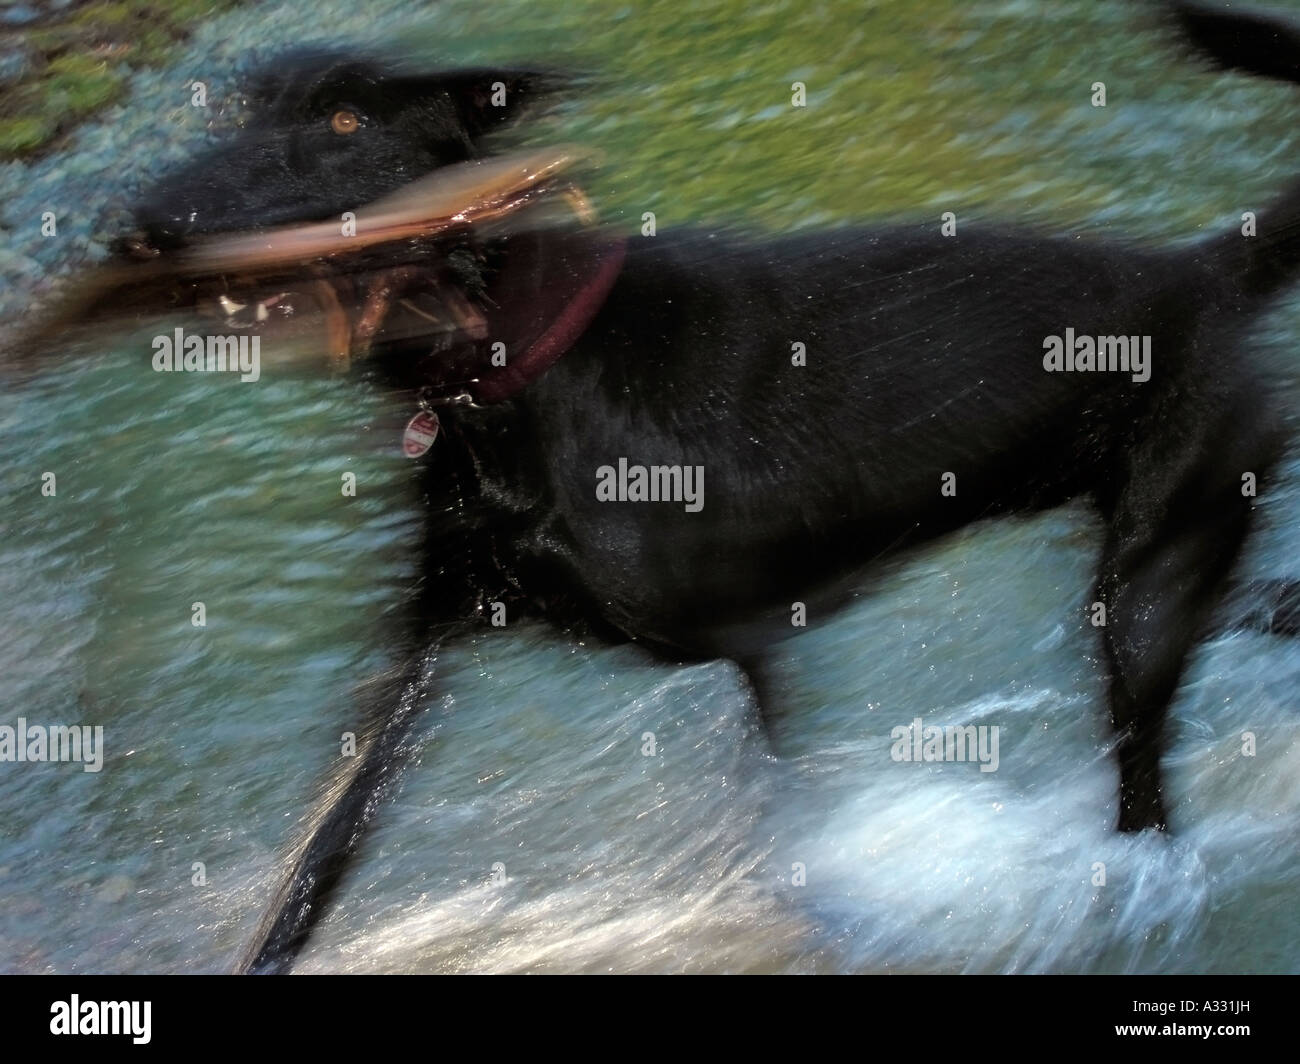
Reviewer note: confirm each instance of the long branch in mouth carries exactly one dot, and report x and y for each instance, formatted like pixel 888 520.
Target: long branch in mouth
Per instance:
pixel 338 332
pixel 271 263
pixel 384 289
pixel 451 198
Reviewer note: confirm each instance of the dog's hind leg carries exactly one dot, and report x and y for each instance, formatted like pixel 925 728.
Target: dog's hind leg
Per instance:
pixel 1176 525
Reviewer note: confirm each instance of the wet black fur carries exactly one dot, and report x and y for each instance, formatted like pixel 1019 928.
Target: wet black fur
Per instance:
pixel 924 358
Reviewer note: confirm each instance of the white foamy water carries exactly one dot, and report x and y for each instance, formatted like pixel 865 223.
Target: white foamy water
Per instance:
pixel 686 861
pixel 533 833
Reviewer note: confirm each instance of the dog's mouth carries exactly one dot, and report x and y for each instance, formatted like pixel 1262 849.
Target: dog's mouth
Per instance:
pixel 344 314
pixel 403 270
pixel 255 314
pixel 309 317
pixel 245 311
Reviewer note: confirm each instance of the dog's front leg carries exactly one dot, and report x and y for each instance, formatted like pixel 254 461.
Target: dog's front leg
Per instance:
pixel 343 810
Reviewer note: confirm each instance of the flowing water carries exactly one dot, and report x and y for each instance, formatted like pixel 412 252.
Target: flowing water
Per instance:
pixel 533 831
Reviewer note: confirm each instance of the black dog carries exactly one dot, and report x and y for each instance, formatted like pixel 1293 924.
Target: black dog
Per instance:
pixel 926 394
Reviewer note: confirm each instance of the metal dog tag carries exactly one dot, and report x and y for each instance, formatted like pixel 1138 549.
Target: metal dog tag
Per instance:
pixel 419 434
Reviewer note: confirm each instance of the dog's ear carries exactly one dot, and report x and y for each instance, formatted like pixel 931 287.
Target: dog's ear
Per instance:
pixel 486 99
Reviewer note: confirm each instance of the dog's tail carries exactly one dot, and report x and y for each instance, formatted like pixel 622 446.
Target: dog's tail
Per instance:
pixel 1267 44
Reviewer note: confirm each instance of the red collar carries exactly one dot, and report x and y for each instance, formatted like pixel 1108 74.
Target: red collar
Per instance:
pixel 498 383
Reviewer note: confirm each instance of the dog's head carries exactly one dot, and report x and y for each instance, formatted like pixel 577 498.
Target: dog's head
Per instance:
pixel 327 133
pixel 357 210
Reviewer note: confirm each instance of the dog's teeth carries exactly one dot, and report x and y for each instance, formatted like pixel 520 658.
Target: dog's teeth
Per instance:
pixel 262 312
pixel 228 305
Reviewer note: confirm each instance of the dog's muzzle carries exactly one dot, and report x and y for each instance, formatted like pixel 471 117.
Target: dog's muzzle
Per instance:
pixel 328 287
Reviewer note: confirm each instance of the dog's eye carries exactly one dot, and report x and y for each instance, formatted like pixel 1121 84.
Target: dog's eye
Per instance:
pixel 345 122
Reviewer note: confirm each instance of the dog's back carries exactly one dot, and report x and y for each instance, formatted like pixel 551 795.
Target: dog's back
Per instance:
pixel 848 394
